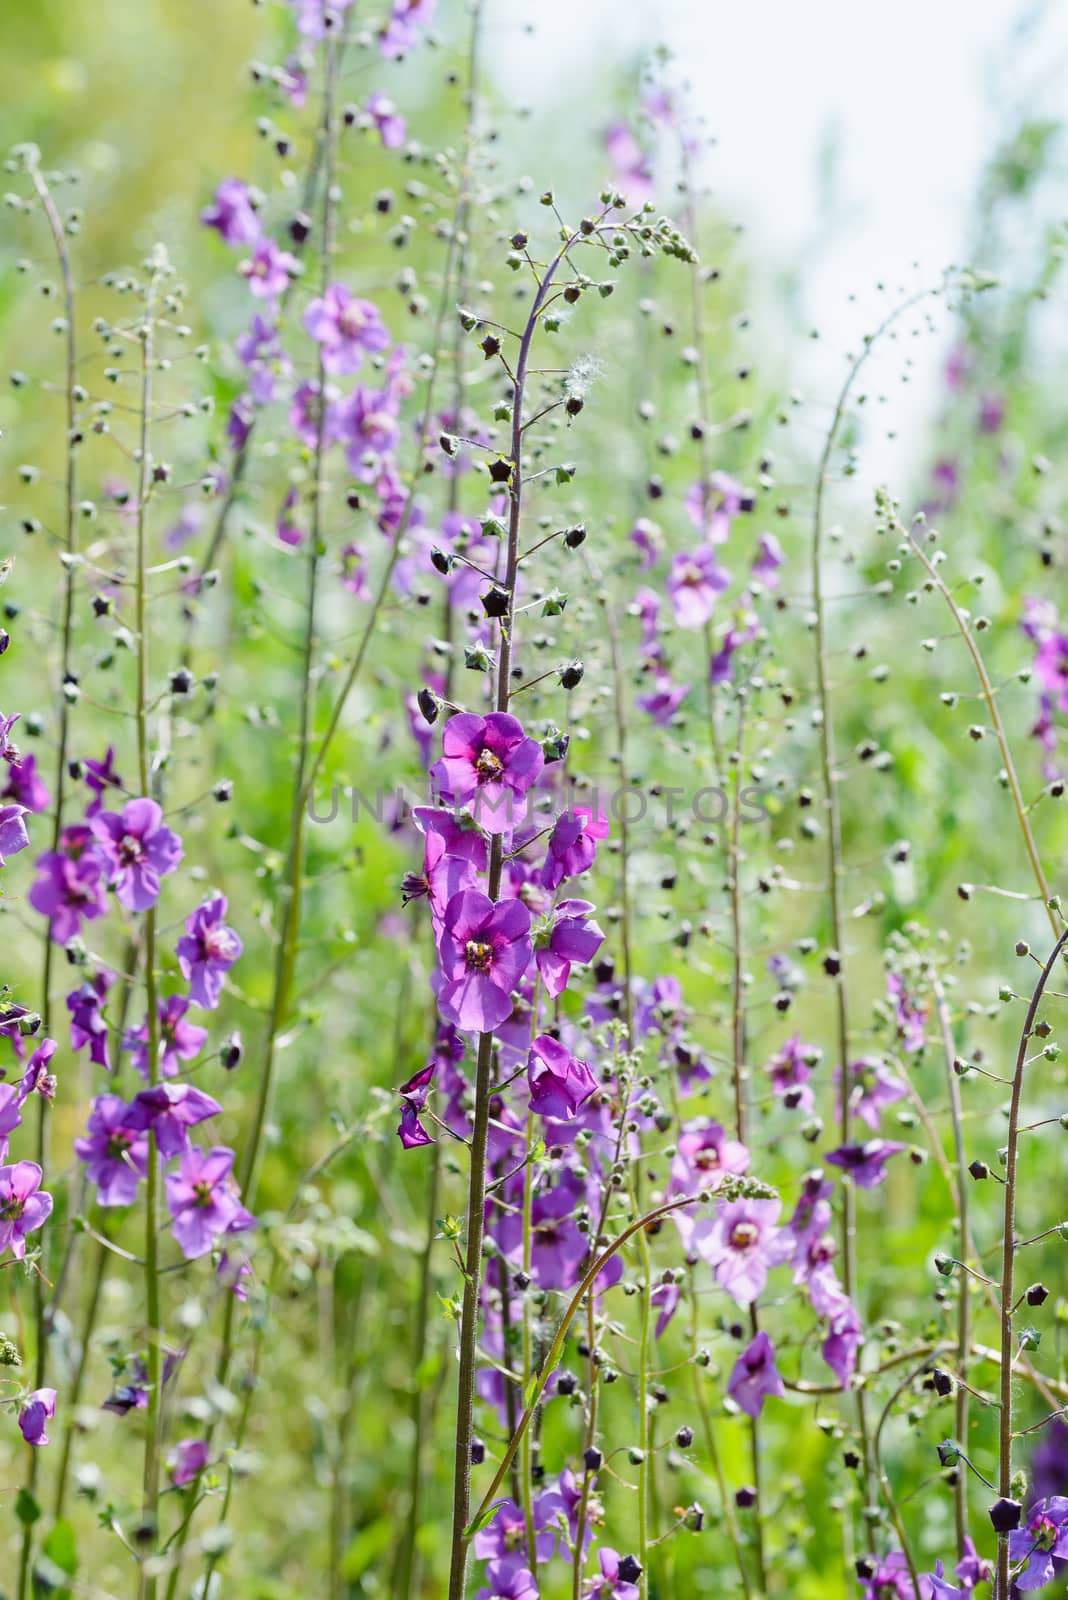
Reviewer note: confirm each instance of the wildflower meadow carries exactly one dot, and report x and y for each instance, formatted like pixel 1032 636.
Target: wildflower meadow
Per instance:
pixel 532 840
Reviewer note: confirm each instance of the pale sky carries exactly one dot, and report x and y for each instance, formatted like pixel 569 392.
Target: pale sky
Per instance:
pixel 912 95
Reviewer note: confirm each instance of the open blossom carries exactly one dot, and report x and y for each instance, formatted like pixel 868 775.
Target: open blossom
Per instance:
pixel 790 1069
pixel 170 1110
pixel 909 1017
pixel 488 763
pixel 24 785
pixel 232 213
pixel 187 1460
pixel 614 1582
pixel 177 1039
pixel 115 1150
pixel 695 579
pixel 572 845
pixel 139 850
pixel 892 1580
pixel 484 951
pixel 1051 668
pixel 10 1115
pixel 35 1413
pixel 347 329
pixel 874 1088
pixel 769 558
pixel 865 1163
pixel 755 1376
pixel 207 951
pixel 402 29
pixel 631 168
pixel 268 269
pixel 508 1578
pixel 87 1023
pixel 506 1535
pixel 13 835
pixel 559 1083
pixel 1042 1539
pixel 203 1200
pixel 740 1243
pixel 713 505
pixel 573 938
pixel 70 886
pixel 413 1095
pixel 387 119
pixel 703 1158
pixel 664 700
pixel 24 1206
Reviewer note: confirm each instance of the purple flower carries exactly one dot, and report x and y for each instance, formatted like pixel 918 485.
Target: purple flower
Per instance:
pixel 558 1082
pixel 402 30
pixel 239 423
pixel 611 1585
pixel 170 1109
pixel 115 1150
pixel 573 845
pixel 891 1580
pixel 13 835
pixel 909 1017
pixel 100 775
pixel 991 413
pixel 645 535
pixel 755 1376
pixel 740 1243
pixel 414 1097
pixel 484 951
pixel 488 763
pixel 178 1040
pixel 354 572
pixel 203 1200
pixel 366 423
pixel 506 1535
pixel 873 1089
pixel 187 1460
pixel 35 1413
pixel 1043 1537
pixel 36 1075
pixel 845 1336
pixel 769 558
pixel 346 328
pixel 304 413
pixel 10 1115
pixel 865 1163
pixel 933 1584
pixel 508 1579
pixel 703 1158
pixel 232 213
pixel 1051 666
pixel 139 849
pixel 24 786
pixel 693 583
pixel 387 119
pixel 631 167
pixel 712 506
pixel 572 937
pixel 208 951
pixel 260 350
pixel 70 889
pixel 87 1024
pixel 24 1206
pixel 268 269
pixel 665 699
pixel 790 1069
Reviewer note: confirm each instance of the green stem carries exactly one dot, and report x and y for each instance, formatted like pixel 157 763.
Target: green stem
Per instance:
pixel 150 1485
pixel 1008 1264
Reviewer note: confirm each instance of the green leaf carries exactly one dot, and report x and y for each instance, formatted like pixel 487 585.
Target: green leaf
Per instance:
pixel 26 1508
pixel 60 1548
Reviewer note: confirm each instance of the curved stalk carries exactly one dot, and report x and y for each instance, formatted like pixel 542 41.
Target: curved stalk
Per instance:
pixel 1008 1263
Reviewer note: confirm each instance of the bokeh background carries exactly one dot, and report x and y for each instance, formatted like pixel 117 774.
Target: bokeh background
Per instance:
pixel 855 157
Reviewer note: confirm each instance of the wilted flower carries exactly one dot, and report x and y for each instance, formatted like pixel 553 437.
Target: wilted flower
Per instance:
pixel 755 1376
pixel 36 1411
